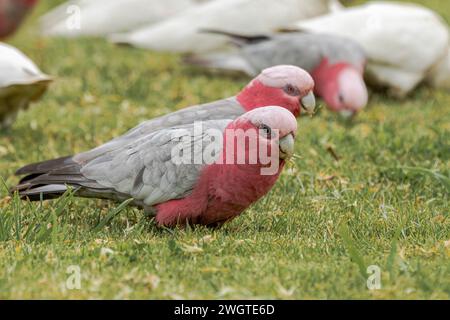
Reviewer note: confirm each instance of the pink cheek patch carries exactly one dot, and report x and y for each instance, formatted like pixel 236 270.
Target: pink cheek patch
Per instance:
pixel 353 89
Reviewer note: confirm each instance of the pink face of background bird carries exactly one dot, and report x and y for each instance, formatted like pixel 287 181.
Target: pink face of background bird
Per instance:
pixel 342 87
pixel 286 86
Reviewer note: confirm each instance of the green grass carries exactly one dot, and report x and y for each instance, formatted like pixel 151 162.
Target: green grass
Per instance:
pixel 384 203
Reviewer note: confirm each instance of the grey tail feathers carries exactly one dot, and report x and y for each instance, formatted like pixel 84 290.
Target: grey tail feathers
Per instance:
pixel 50 179
pixel 45 166
pixel 238 39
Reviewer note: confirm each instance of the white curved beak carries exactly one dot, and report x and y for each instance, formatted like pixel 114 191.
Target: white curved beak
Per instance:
pixel 286 145
pixel 308 103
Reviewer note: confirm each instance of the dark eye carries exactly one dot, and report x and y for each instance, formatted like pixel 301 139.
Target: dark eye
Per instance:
pixel 341 98
pixel 265 131
pixel 291 90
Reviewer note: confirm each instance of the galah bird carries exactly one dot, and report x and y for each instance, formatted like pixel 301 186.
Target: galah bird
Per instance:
pixel 21 82
pixel 12 13
pixel 180 32
pixel 144 170
pixel 287 86
pixel 405 43
pixel 98 18
pixel 335 63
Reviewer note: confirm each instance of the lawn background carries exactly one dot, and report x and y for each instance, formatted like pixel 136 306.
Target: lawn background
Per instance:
pixel 385 202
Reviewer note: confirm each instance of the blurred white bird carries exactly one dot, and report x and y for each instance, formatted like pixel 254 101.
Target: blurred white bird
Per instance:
pixel 21 82
pixel 439 76
pixel 102 17
pixel 403 42
pixel 180 33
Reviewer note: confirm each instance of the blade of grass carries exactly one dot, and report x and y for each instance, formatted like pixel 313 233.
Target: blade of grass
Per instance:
pixel 111 215
pixel 391 259
pixel 433 174
pixel 47 227
pixel 353 252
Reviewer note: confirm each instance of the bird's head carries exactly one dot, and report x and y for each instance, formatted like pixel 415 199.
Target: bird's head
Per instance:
pixel 286 86
pixel 342 87
pixel 262 138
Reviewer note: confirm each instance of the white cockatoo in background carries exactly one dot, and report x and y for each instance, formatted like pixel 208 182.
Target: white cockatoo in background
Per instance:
pixel 180 33
pixel 102 17
pixel 439 76
pixel 21 82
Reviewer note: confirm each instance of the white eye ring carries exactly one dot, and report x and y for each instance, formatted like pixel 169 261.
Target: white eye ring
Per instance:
pixel 265 131
pixel 291 90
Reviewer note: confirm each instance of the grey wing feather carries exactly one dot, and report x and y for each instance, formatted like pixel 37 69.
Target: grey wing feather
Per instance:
pixel 300 49
pixel 284 49
pixel 304 50
pixel 341 49
pixel 145 169
pixel 222 109
pixel 251 58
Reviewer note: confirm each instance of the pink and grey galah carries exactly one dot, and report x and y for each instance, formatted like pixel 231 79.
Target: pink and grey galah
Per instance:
pixel 178 193
pixel 336 64
pixel 12 14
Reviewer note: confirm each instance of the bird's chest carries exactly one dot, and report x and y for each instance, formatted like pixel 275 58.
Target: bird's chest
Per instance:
pixel 228 200
pixel 218 211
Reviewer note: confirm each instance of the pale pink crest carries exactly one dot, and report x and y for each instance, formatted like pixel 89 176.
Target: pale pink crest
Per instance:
pixel 282 75
pixel 277 118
